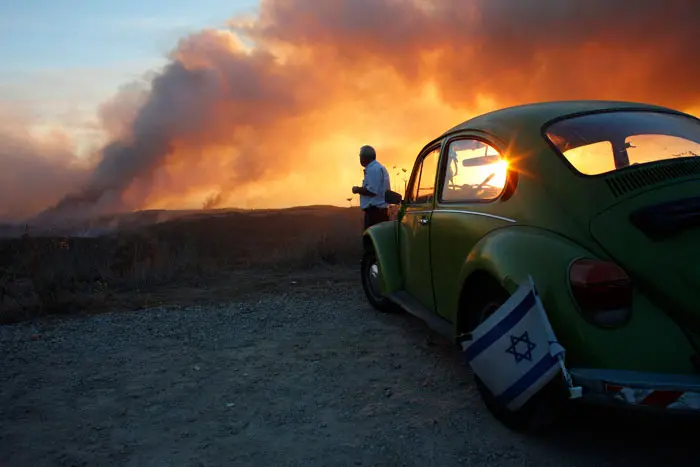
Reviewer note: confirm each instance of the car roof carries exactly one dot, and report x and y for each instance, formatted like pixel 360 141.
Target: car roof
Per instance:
pixel 531 117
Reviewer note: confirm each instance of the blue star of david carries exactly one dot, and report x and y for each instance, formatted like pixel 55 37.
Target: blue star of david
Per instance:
pixel 518 354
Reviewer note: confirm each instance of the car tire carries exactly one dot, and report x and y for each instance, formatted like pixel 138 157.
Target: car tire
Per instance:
pixel 542 410
pixel 371 282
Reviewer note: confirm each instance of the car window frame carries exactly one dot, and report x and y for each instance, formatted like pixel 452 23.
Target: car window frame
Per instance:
pixel 545 126
pixel 442 171
pixel 427 150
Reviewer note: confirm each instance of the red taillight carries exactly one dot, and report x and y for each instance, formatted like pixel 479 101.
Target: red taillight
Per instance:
pixel 601 287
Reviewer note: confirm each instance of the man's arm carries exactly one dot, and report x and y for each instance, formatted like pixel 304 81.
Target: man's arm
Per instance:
pixel 372 183
pixel 360 190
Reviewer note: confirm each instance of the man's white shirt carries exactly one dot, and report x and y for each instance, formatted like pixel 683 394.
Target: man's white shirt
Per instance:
pixel 377 181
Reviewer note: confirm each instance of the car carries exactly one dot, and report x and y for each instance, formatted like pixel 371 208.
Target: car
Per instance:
pixel 598 202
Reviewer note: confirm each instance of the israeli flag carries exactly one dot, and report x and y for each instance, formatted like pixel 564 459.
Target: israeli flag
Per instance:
pixel 514 351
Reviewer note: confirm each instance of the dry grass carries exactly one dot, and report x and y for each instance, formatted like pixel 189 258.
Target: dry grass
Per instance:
pixel 233 251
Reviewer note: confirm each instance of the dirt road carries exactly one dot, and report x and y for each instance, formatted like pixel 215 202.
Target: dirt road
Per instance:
pixel 311 376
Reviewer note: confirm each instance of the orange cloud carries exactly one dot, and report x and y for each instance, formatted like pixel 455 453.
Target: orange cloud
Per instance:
pixel 273 111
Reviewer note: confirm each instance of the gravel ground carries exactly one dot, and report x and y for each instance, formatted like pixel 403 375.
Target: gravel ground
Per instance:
pixel 311 376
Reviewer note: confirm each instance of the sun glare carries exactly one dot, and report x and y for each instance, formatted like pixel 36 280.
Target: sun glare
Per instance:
pixel 500 169
pixel 492 174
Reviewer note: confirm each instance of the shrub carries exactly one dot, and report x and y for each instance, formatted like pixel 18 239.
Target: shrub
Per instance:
pixel 41 275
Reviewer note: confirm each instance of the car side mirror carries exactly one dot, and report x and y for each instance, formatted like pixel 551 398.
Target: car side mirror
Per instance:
pixel 392 197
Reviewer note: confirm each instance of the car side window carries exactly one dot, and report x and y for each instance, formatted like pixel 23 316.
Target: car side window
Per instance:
pixel 423 186
pixel 475 171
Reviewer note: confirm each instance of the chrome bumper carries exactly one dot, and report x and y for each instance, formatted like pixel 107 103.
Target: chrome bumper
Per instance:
pixel 640 390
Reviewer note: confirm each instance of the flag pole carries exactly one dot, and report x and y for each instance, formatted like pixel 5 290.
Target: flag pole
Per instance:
pixel 555 348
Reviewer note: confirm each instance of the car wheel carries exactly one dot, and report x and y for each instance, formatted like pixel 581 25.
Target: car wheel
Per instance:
pixel 542 410
pixel 371 282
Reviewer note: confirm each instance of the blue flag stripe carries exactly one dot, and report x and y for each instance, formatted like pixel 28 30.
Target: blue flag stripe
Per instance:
pixel 505 325
pixel 527 380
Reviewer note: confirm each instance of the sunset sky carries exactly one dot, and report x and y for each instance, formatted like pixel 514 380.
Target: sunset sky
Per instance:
pixel 108 107
pixel 60 60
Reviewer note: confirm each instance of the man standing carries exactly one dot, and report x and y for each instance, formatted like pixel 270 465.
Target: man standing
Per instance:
pixel 374 186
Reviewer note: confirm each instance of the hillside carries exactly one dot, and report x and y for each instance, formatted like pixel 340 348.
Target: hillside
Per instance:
pixel 106 224
pixel 138 255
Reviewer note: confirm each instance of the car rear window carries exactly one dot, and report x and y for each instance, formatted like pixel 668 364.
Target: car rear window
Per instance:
pixel 604 142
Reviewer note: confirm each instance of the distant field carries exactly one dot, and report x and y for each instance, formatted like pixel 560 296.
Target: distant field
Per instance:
pixel 149 252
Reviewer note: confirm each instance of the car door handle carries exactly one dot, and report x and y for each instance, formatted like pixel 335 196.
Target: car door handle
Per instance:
pixel 424 221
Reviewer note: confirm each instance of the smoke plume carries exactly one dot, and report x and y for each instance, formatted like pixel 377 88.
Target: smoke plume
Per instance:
pixel 37 170
pixel 272 111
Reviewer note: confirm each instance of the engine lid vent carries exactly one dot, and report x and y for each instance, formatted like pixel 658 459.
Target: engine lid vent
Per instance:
pixel 628 181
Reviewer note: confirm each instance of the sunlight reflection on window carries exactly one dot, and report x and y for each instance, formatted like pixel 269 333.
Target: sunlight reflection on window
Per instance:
pixel 604 142
pixel 648 148
pixel 593 158
pixel 475 171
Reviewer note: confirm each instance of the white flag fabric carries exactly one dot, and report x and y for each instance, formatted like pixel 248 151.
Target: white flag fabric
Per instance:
pixel 514 351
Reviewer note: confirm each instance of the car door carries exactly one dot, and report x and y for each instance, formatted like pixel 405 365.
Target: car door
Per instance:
pixel 467 207
pixel 414 229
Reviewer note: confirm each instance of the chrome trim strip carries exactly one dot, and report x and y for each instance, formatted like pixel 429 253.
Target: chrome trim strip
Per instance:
pixel 474 213
pixel 459 211
pixel 418 212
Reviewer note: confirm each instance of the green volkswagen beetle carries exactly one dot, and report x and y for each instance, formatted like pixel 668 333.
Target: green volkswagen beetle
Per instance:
pixel 599 203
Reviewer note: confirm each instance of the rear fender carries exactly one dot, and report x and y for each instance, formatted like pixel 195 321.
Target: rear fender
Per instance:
pixel 382 238
pixel 510 255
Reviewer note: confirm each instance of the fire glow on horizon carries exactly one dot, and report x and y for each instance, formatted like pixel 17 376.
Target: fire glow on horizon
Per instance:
pixel 272 112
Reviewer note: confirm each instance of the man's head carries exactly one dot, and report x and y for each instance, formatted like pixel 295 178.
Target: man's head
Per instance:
pixel 367 155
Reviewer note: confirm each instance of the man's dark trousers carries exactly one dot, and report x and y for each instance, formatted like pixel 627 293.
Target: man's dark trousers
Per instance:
pixel 375 215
